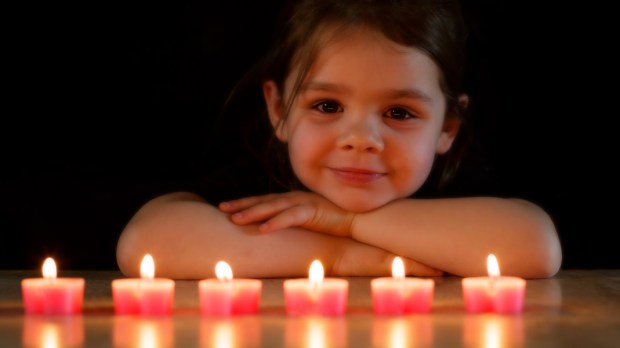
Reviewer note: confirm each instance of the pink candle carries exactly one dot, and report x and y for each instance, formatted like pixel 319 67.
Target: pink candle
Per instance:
pixel 52 295
pixel 495 293
pixel 400 295
pixel 226 296
pixel 147 295
pixel 316 295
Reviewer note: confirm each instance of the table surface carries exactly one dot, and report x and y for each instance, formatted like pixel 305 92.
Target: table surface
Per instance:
pixel 576 308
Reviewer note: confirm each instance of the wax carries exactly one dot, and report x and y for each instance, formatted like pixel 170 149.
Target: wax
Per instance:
pixel 146 295
pixel 227 296
pixel 495 293
pixel 316 295
pixel 400 295
pixel 52 295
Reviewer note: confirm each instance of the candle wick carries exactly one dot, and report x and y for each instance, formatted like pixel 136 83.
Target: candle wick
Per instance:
pixel 315 287
pixel 492 281
pixel 401 284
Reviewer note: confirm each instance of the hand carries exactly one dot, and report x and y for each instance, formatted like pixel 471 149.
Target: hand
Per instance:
pixel 304 209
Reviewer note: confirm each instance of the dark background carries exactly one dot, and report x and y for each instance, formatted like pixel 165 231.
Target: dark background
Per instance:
pixel 109 105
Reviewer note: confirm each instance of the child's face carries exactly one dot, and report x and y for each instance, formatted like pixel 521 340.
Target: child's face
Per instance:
pixel 367 123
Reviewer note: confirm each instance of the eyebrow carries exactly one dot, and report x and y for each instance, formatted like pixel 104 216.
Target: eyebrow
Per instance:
pixel 392 93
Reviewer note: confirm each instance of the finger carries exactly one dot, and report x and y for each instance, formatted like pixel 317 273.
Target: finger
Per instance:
pixel 262 211
pixel 236 205
pixel 294 216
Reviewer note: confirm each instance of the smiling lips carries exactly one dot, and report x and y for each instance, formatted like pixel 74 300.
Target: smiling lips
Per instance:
pixel 355 176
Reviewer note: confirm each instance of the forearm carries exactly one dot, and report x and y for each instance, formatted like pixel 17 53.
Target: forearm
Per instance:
pixel 456 235
pixel 187 236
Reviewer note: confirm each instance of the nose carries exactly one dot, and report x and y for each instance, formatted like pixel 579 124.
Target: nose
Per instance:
pixel 361 135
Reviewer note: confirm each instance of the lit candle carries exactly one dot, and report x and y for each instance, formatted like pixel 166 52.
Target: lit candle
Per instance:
pixel 400 295
pixel 52 295
pixel 316 295
pixel 226 296
pixel 495 293
pixel 147 295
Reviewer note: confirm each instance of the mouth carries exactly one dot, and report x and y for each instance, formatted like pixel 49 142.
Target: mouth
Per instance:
pixel 357 176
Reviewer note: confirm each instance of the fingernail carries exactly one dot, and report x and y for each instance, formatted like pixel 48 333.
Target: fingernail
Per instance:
pixel 225 205
pixel 237 216
pixel 264 227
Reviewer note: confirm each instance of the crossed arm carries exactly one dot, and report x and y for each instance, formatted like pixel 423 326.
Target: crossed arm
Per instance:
pixel 187 236
pixel 279 235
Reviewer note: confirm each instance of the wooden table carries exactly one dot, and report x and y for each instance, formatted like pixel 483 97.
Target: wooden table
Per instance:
pixel 577 308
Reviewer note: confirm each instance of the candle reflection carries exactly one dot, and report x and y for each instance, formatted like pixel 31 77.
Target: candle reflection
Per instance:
pixel 315 332
pixel 491 331
pixel 410 331
pixel 53 332
pixel 230 332
pixel 142 332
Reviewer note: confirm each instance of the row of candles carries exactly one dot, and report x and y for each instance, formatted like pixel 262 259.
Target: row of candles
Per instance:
pixel 315 295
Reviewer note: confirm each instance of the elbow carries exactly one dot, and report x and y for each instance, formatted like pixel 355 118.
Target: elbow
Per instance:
pixel 125 252
pixel 547 254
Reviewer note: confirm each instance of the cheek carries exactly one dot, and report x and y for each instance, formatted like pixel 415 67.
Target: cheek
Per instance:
pixel 415 165
pixel 303 149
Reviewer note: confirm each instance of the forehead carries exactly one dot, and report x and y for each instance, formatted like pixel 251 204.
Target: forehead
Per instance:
pixel 362 57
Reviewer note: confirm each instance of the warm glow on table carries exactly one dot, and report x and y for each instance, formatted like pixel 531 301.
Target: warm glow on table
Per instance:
pixel 53 331
pixel 495 293
pixel 146 295
pixel 139 331
pixel 399 294
pixel 317 294
pixel 315 332
pixel 402 331
pixel 228 296
pixel 52 295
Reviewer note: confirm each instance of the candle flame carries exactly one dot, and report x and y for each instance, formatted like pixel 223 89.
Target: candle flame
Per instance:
pixel 492 266
pixel 398 268
pixel 147 267
pixel 223 271
pixel 316 273
pixel 49 268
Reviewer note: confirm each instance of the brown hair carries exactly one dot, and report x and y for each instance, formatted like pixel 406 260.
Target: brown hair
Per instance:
pixel 435 27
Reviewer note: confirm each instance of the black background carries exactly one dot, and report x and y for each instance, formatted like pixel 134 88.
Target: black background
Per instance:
pixel 108 105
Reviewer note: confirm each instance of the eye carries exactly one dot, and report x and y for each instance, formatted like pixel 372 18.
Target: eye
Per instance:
pixel 328 107
pixel 399 114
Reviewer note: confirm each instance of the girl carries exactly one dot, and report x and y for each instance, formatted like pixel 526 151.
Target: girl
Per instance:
pixel 364 96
